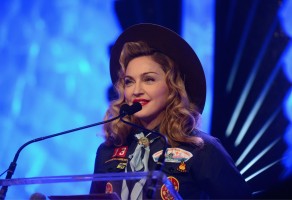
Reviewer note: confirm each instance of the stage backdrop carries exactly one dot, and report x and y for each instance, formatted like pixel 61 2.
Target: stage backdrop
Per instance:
pixel 54 77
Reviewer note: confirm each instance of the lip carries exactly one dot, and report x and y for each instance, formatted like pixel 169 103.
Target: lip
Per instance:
pixel 143 102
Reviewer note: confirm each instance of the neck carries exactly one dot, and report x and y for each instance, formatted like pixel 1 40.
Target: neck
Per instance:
pixel 151 124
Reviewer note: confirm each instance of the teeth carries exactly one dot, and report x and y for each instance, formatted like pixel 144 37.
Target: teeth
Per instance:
pixel 145 101
pixel 142 102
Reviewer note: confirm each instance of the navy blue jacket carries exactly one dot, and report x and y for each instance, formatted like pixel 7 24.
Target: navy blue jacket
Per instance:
pixel 197 173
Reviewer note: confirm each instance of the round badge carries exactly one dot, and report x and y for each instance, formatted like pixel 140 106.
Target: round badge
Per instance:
pixel 164 192
pixel 108 188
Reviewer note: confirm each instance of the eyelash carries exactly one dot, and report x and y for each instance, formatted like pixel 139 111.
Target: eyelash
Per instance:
pixel 128 81
pixel 146 79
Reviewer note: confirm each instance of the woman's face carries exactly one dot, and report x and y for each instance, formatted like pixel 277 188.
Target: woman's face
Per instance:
pixel 145 83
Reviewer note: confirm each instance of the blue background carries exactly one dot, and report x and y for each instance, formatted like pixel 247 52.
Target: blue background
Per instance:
pixel 54 76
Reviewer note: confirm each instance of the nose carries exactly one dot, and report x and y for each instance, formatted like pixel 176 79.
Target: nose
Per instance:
pixel 138 89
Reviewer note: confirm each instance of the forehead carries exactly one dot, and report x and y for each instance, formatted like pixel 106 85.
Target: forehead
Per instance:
pixel 143 64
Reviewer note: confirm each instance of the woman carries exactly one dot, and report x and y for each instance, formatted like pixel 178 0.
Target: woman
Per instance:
pixel 154 66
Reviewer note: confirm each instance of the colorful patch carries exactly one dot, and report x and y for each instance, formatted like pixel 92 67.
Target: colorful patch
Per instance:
pixel 182 167
pixel 164 192
pixel 120 152
pixel 122 165
pixel 109 188
pixel 174 155
pixel 119 159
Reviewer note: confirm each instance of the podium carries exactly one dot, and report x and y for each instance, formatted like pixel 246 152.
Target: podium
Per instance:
pixel 155 180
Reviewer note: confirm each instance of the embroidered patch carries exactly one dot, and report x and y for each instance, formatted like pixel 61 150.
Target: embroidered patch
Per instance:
pixel 119 159
pixel 164 192
pixel 108 188
pixel 120 152
pixel 174 155
pixel 182 167
pixel 122 165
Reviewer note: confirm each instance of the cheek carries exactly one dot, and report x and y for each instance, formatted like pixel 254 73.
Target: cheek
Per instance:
pixel 164 91
pixel 162 94
pixel 127 94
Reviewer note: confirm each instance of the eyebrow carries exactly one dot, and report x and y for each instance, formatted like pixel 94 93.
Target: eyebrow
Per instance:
pixel 146 73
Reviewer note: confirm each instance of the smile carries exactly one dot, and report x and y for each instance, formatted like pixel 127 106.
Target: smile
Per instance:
pixel 143 102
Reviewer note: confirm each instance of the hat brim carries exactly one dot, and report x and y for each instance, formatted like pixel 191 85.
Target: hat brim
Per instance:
pixel 171 44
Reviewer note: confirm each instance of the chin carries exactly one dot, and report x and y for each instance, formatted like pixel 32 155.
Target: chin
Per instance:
pixel 140 115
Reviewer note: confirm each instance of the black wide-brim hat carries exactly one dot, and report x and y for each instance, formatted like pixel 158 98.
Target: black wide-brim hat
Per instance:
pixel 172 45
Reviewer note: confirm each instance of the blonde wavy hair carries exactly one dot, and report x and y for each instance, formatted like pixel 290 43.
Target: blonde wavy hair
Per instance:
pixel 181 116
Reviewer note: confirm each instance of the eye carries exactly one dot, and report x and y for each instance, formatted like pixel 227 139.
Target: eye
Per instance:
pixel 149 79
pixel 128 81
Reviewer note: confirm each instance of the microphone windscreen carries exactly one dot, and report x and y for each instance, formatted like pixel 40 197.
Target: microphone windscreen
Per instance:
pixel 130 110
pixel 124 110
pixel 135 108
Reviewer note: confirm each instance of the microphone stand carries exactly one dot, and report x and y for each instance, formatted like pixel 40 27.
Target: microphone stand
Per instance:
pixel 13 164
pixel 160 162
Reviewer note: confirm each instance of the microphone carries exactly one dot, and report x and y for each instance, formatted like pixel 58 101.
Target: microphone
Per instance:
pixel 126 109
pixel 12 166
pixel 130 110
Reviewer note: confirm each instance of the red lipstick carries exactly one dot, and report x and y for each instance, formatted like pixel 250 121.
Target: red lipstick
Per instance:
pixel 141 101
